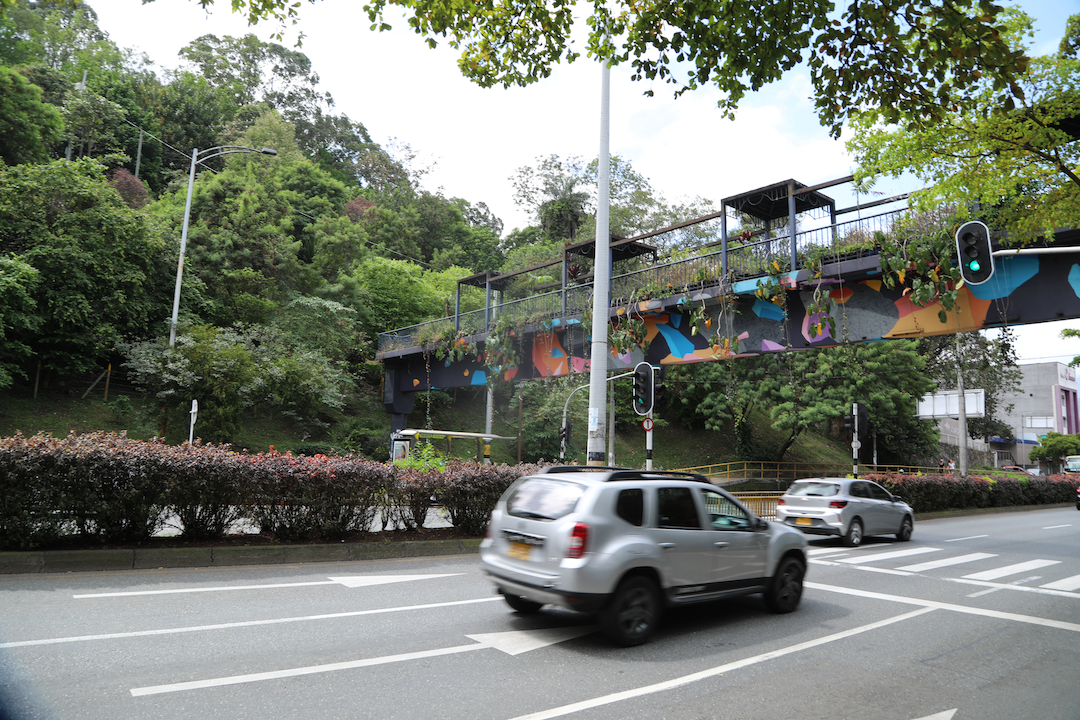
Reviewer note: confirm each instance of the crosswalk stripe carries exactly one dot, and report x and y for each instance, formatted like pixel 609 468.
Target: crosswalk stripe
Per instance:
pixel 946 562
pixel 1011 570
pixel 889 555
pixel 1069 583
pixel 826 551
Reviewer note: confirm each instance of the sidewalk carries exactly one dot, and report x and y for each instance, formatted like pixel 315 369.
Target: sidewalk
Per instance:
pixel 64 561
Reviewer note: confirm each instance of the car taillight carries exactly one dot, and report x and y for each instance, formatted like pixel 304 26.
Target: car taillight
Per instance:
pixel 781 501
pixel 579 538
pixel 838 503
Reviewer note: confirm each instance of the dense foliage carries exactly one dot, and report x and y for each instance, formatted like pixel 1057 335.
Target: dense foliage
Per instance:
pixel 103 487
pixel 926 493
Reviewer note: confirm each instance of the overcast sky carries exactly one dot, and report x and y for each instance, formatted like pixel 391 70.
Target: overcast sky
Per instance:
pixel 475 138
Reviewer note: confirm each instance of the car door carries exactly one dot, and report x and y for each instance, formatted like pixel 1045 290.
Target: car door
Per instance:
pixel 889 516
pixel 741 547
pixel 689 555
pixel 861 504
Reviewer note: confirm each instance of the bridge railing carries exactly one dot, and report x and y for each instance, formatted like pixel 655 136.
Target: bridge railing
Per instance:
pixel 746 260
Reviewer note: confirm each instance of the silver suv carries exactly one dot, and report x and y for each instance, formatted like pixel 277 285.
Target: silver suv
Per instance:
pixel 625 544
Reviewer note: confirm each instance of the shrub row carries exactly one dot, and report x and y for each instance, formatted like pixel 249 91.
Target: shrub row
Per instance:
pixel 926 493
pixel 106 487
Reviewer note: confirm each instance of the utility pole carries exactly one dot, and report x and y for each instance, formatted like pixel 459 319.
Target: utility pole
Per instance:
pixel 597 430
pixel 962 409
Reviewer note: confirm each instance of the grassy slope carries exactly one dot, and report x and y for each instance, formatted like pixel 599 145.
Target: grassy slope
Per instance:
pixel 673 446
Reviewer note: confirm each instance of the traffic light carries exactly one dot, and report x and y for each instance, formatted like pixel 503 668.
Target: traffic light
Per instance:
pixel 864 421
pixel 974 252
pixel 562 434
pixel 849 424
pixel 643 388
pixel 567 430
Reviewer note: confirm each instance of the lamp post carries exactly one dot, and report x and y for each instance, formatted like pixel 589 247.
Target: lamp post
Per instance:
pixel 198 156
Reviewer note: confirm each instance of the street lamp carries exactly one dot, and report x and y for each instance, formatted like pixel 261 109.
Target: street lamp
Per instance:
pixel 198 156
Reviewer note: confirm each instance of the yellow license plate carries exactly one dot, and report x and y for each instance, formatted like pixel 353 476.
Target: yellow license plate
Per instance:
pixel 519 551
pixel 803 521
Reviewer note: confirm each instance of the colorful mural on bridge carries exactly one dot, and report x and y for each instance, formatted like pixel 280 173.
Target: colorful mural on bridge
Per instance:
pixel 1025 289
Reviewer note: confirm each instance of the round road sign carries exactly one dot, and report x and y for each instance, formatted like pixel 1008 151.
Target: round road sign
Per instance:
pixel 647 423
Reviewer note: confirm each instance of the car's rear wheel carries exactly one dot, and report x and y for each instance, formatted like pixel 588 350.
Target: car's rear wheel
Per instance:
pixel 785 589
pixel 905 530
pixel 631 616
pixel 853 538
pixel 521 605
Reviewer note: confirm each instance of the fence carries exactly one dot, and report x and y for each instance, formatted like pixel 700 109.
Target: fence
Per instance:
pixel 743 261
pixel 783 474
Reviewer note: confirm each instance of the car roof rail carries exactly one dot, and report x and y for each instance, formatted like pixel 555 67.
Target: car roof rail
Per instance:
pixel 581 468
pixel 654 474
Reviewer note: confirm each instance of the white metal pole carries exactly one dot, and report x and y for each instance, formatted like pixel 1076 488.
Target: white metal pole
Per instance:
pixel 183 248
pixel 597 431
pixel 648 440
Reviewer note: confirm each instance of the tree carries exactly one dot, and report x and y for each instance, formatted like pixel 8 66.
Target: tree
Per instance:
pixel 988 364
pixel 932 49
pixel 1055 447
pixel 28 126
pixel 812 388
pixel 17 313
pixel 96 260
pixel 1018 161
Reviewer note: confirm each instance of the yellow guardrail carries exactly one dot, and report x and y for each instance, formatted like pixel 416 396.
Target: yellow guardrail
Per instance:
pixel 762 504
pixel 747 471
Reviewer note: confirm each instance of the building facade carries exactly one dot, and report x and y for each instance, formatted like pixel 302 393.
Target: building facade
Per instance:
pixel 1047 402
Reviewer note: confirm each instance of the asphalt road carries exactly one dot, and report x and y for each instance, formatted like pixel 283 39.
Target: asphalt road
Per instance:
pixel 976 618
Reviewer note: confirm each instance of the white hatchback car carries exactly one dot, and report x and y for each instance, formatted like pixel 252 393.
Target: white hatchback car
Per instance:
pixel 851 509
pixel 625 544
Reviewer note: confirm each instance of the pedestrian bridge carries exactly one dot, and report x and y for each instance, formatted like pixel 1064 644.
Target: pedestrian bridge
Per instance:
pixel 776 289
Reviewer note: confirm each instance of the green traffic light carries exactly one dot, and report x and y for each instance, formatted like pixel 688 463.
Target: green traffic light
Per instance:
pixel 974 266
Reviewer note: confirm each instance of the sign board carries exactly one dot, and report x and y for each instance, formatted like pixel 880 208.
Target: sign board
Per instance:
pixel 947 404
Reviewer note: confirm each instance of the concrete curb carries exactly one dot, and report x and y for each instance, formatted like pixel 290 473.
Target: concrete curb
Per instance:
pixel 64 561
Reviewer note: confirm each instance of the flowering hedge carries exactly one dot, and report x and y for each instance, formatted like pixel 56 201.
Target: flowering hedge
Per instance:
pixel 106 487
pixel 945 492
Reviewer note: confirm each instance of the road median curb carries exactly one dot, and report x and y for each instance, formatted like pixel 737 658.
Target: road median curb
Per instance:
pixel 64 561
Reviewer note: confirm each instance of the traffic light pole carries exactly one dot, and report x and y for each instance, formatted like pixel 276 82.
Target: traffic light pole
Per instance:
pixel 855 442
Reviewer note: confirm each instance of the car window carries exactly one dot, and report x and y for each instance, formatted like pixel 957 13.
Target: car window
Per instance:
pixel 630 506
pixel 543 498
pixel 723 513
pixel 878 493
pixel 858 489
pixel 812 488
pixel 676 509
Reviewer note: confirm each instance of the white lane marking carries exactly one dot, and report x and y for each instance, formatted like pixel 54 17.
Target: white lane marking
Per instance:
pixel 1055 527
pixel 1014 617
pixel 1069 583
pixel 512 643
pixel 826 551
pixel 947 715
pixel 946 562
pixel 294 672
pixel 1014 583
pixel 247 623
pixel 198 590
pixel 889 555
pixel 969 537
pixel 884 571
pixel 1011 569
pixel 713 672
pixel 1011 586
pixel 352 581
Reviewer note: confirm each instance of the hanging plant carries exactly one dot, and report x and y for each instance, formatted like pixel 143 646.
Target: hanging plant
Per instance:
pixel 626 334
pixel 455 348
pixel 499 352
pixel 923 268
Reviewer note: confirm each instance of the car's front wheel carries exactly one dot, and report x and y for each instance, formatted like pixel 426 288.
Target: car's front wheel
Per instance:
pixel 853 538
pixel 905 530
pixel 521 605
pixel 785 589
pixel 631 615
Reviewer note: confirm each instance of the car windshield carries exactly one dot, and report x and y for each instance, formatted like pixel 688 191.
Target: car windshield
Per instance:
pixel 814 489
pixel 1073 463
pixel 543 498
